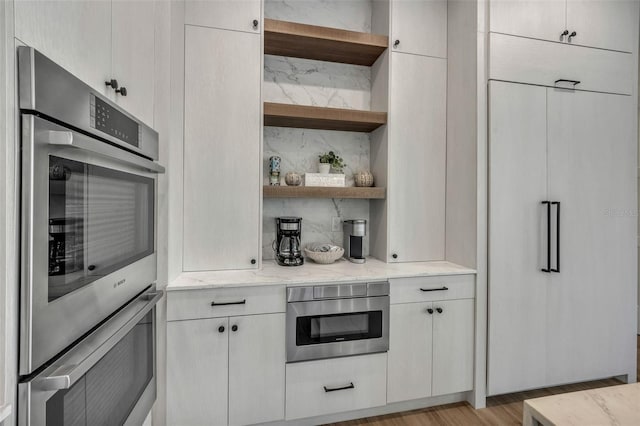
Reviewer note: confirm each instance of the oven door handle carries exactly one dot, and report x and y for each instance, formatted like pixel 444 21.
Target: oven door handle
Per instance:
pixel 67 375
pixel 77 140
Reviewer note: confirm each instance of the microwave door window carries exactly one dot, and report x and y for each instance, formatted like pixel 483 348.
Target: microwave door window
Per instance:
pixel 312 330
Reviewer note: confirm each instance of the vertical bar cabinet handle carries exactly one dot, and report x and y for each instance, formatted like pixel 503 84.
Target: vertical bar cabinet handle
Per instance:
pixel 548 268
pixel 557 268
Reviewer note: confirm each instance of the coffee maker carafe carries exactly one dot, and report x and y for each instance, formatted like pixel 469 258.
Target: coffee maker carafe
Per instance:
pixel 287 243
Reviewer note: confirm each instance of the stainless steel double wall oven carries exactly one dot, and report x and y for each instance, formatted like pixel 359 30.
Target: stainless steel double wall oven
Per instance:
pixel 88 256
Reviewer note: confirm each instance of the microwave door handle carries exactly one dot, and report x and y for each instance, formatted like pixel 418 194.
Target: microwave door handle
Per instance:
pixel 67 375
pixel 77 140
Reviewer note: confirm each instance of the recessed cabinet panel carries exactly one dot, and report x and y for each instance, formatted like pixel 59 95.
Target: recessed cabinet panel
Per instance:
pixel 417 158
pixel 133 55
pixel 517 235
pixel 605 24
pixel 225 14
pixel 222 149
pixel 592 173
pixel 74 34
pixel 256 363
pixel 410 349
pixel 197 370
pixel 453 343
pixel 543 19
pixel 419 27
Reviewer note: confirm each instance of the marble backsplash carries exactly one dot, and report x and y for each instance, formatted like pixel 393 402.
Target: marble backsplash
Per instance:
pixel 324 84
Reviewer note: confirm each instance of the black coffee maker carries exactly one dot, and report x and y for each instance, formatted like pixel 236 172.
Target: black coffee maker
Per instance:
pixel 287 243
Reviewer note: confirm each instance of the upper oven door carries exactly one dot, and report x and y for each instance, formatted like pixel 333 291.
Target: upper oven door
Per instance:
pixel 337 327
pixel 88 235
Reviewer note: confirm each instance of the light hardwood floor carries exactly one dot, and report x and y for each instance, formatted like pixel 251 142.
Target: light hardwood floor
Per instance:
pixel 501 410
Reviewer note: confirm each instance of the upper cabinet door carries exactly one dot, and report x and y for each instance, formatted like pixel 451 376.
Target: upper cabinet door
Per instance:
pixel 607 24
pixel 417 158
pixel 222 129
pixel 543 19
pixel 133 55
pixel 74 34
pixel 419 27
pixel 236 15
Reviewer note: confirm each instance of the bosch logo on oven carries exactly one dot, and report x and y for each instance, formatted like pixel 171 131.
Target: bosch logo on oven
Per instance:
pixel 119 283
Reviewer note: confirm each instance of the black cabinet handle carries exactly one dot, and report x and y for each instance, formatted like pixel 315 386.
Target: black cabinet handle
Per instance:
pixel 349 386
pixel 241 302
pixel 91 267
pixel 573 34
pixel 439 310
pixel 253 261
pixel 255 24
pixel 396 43
pixel 564 80
pixel 564 33
pixel 113 83
pixel 557 268
pixel 548 268
pixel 394 255
pixel 221 329
pixel 234 328
pixel 430 311
pixel 122 91
pixel 435 289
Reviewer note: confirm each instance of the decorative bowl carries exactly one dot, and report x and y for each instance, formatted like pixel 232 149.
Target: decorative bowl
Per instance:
pixel 323 253
pixel 293 179
pixel 363 179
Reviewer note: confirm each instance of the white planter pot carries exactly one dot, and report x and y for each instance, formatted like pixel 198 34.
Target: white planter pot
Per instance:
pixel 324 168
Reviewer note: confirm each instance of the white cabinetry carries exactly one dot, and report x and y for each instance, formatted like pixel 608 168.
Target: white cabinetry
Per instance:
pixel 74 34
pixel 133 44
pixel 575 323
pixel 603 24
pixel 431 343
pixel 417 158
pixel 238 15
pixel 419 27
pixel 222 128
pixel 228 370
pixel 97 41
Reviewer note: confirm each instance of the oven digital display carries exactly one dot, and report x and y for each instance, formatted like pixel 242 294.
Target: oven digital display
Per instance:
pixel 114 123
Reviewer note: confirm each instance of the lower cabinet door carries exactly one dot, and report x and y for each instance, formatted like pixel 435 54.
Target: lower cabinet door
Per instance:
pixel 410 349
pixel 453 343
pixel 256 369
pixel 335 385
pixel 197 371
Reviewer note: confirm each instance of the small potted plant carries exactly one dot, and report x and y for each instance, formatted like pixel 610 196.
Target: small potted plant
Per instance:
pixel 329 160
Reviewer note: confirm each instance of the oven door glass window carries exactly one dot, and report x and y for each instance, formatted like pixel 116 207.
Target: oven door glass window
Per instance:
pixel 100 220
pixel 311 330
pixel 109 391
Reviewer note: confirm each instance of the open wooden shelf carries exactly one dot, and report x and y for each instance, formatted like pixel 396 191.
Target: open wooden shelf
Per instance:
pixel 311 117
pixel 322 43
pixel 323 192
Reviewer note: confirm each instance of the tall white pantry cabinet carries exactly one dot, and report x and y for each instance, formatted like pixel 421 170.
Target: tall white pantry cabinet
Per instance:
pixel 562 196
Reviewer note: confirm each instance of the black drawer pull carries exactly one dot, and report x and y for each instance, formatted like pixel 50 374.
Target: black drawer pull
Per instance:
pixel 349 386
pixel 241 302
pixel 435 289
pixel 564 80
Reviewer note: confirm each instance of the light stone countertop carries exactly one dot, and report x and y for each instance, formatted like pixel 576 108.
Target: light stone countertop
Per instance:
pixel 340 271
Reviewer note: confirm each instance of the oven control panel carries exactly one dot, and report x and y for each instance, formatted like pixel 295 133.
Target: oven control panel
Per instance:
pixel 114 123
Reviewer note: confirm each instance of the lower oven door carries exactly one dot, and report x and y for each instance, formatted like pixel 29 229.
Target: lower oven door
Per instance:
pixel 106 379
pixel 88 235
pixel 340 327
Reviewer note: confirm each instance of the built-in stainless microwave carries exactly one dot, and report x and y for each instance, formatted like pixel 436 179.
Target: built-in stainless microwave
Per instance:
pixel 326 321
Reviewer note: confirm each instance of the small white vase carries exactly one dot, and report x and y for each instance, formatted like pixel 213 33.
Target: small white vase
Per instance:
pixel 324 168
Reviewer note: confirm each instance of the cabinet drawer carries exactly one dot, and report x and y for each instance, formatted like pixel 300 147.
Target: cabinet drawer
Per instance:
pixel 361 382
pixel 224 302
pixel 426 289
pixel 539 62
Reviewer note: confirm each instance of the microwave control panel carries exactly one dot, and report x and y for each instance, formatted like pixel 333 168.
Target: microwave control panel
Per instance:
pixel 114 123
